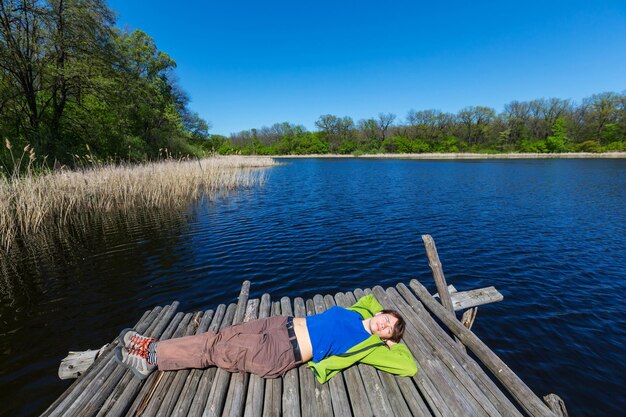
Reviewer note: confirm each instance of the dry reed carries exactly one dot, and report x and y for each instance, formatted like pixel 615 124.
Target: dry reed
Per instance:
pixel 36 203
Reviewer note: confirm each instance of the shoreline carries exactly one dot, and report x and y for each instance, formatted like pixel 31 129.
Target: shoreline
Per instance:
pixel 452 156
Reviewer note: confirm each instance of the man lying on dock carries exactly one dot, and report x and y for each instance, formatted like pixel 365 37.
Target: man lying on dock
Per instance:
pixel 331 341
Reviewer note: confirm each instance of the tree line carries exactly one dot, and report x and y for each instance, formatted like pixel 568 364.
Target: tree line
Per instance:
pixel 76 89
pixel 597 124
pixel 73 85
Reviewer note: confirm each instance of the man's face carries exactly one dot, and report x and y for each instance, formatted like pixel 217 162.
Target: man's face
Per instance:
pixel 382 325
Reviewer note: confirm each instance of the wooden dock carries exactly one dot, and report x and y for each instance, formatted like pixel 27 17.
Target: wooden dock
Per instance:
pixel 449 382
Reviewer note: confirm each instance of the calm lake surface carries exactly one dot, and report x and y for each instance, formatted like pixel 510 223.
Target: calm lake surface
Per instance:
pixel 549 234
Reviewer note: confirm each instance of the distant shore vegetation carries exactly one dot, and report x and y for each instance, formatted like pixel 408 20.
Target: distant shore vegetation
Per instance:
pixel 597 124
pixel 76 90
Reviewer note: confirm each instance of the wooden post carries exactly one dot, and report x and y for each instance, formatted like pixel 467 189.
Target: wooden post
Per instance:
pixel 440 279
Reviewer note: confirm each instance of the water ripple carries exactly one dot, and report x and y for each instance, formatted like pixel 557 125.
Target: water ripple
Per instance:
pixel 549 234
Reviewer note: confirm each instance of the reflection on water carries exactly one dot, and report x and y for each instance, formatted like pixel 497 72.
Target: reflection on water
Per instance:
pixel 549 234
pixel 43 254
pixel 63 292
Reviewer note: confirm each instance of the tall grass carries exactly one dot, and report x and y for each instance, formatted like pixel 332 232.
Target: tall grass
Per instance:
pixel 32 203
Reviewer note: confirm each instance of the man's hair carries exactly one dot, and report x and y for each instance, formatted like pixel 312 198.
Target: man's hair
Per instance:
pixel 398 329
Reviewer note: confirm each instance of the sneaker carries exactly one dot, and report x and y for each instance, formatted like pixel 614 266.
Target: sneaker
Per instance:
pixel 135 360
pixel 132 340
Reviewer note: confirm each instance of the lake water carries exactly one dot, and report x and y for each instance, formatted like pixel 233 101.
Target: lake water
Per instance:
pixel 549 234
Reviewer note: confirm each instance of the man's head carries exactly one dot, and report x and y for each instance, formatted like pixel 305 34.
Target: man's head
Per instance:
pixel 388 324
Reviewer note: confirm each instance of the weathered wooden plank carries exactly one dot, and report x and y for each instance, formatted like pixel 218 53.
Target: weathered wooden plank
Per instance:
pixel 323 402
pixel 467 299
pixel 426 390
pixel 473 298
pixel 406 398
pixel 77 362
pixel 94 395
pixel 235 398
pixel 291 391
pixel 305 376
pixel 172 383
pixel 273 387
pixel 458 375
pixel 151 404
pixel 219 389
pixel 147 387
pixel 192 384
pixel 119 400
pixel 256 385
pixel 412 397
pixel 433 379
pixel 488 387
pixel 355 384
pixel 199 324
pixel 70 394
pixel 440 278
pixel 104 384
pixel 207 378
pixel 385 398
pixel 516 387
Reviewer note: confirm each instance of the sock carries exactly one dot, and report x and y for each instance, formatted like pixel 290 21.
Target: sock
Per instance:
pixel 152 355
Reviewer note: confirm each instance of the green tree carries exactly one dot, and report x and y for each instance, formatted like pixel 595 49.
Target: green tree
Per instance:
pixel 558 140
pixel 337 130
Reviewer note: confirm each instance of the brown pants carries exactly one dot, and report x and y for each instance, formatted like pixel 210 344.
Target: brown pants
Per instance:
pixel 261 347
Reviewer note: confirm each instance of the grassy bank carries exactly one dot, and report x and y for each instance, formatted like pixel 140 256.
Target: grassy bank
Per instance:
pixel 569 155
pixel 31 204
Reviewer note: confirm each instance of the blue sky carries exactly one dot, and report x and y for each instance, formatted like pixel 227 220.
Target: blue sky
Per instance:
pixel 251 64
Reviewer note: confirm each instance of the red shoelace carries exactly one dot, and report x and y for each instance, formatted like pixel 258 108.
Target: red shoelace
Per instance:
pixel 140 342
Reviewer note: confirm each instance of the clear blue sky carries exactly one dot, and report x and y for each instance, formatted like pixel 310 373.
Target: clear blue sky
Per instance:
pixel 249 64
